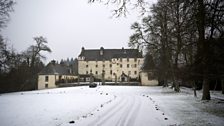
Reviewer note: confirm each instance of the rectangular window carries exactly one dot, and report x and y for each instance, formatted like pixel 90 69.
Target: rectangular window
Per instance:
pixel 127 65
pixel 103 65
pixel 46 85
pixel 87 72
pixel 87 66
pixel 96 65
pixel 110 65
pixel 129 72
pixel 135 72
pixel 127 59
pixel 121 59
pixel 135 65
pixel 46 78
pixel 111 72
pixel 120 65
pixel 135 59
pixel 96 72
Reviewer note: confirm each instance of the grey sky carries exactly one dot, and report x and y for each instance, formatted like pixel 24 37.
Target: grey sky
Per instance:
pixel 68 25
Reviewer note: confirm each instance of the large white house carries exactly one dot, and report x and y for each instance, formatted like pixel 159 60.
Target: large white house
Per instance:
pixel 110 64
pixel 113 65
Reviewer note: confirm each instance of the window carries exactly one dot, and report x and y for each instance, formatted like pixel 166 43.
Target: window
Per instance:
pixel 111 72
pixel 96 65
pixel 87 72
pixel 103 65
pixel 121 59
pixel 127 59
pixel 129 72
pixel 135 59
pixel 135 72
pixel 46 85
pixel 110 65
pixel 96 72
pixel 86 66
pixel 127 65
pixel 120 65
pixel 46 78
pixel 135 65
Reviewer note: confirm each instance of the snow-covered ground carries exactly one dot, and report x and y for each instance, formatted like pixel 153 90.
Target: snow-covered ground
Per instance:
pixel 110 106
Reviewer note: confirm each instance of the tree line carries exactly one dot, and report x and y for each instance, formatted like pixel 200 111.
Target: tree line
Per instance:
pixel 18 71
pixel 183 39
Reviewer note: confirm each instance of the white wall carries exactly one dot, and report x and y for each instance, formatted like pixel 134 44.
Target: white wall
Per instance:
pixel 116 69
pixel 145 81
pixel 42 82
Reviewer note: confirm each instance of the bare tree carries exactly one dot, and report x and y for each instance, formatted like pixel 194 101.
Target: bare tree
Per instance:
pixel 6 6
pixel 123 6
pixel 33 53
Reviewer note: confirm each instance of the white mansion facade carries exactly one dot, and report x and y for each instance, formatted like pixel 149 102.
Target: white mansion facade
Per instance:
pixel 110 64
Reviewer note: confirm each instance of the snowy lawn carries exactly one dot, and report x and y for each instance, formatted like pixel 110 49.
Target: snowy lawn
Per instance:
pixel 110 106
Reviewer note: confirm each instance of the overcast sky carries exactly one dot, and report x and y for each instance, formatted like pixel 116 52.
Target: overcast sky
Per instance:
pixel 68 26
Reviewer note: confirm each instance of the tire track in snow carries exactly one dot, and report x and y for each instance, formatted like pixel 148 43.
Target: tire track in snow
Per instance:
pixel 132 116
pixel 110 112
pixel 125 112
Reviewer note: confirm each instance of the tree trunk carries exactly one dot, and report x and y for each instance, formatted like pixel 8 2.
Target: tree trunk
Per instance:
pixel 206 93
pixel 222 81
pixel 177 87
pixel 195 87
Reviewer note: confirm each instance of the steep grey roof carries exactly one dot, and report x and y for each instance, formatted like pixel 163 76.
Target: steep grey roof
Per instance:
pixel 108 54
pixel 53 68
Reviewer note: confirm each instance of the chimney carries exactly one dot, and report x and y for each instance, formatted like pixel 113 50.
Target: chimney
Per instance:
pixel 83 49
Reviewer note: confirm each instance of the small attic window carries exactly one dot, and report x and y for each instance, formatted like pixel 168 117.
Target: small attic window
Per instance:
pixel 101 51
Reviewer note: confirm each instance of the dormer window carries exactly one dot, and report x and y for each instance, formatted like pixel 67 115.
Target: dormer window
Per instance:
pixel 101 51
